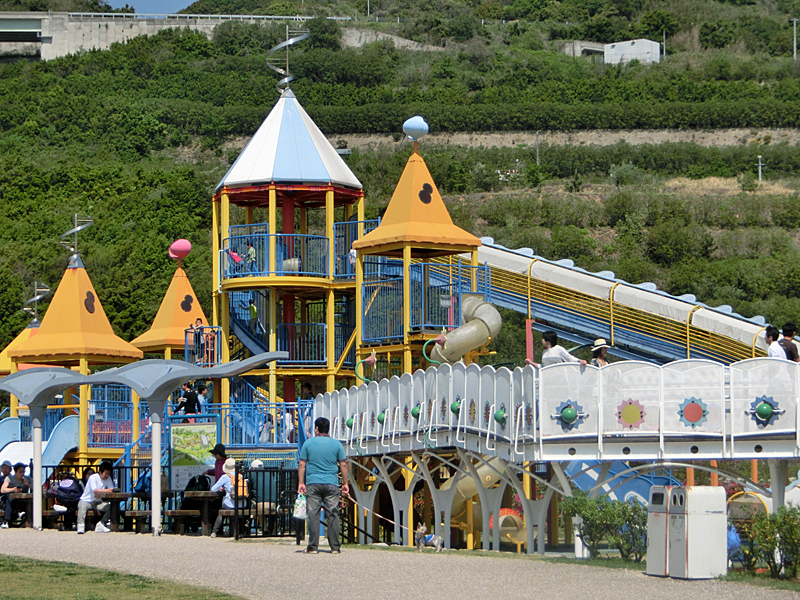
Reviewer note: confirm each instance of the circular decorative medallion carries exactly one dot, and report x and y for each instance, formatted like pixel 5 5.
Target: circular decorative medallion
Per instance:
pixel 405 415
pixel 693 412
pixel 765 411
pixel 443 408
pixel 473 410
pixel 630 414
pixel 487 413
pixel 529 415
pixel 569 414
pixel 372 420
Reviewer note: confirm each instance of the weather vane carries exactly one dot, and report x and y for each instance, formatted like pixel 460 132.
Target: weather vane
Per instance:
pixel 277 64
pixel 80 225
pixel 40 291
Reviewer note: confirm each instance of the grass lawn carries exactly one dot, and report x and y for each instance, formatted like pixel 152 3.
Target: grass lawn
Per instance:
pixel 25 579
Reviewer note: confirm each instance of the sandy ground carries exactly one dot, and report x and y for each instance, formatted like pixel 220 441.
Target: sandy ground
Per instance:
pixel 267 570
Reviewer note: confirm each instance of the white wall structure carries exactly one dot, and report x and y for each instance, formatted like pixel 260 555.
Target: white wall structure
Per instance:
pixel 645 51
pixel 685 410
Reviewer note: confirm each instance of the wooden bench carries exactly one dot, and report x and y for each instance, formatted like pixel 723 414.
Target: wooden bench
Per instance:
pixel 179 516
pixel 50 517
pixel 244 517
pixel 140 517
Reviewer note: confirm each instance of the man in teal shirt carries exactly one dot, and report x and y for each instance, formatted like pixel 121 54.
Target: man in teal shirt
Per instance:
pixel 321 458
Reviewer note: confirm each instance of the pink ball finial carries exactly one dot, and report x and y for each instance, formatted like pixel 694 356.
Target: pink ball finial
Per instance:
pixel 180 249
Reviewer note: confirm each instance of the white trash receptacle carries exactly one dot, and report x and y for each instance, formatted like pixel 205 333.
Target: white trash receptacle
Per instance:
pixel 657 524
pixel 698 537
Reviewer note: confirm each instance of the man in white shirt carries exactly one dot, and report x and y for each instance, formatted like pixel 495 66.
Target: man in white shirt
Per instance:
pixel 98 482
pixel 774 348
pixel 553 353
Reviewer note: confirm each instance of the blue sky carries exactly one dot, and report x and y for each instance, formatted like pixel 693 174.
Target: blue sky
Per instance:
pixel 153 6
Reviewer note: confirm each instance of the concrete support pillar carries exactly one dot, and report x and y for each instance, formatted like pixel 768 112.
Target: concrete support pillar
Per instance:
pixel 400 501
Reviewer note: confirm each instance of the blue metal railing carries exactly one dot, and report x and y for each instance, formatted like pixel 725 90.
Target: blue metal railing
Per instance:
pixel 436 291
pixel 344 235
pixel 295 254
pixel 263 424
pixel 110 424
pixel 305 342
pixel 342 336
pixel 383 310
pixel 203 346
pixel 51 418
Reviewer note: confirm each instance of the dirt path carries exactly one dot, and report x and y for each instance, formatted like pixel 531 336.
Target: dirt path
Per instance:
pixel 261 570
pixel 711 137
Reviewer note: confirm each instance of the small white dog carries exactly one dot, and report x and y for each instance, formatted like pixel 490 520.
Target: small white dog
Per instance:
pixel 422 539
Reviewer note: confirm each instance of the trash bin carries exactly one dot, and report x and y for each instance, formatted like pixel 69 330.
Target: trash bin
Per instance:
pixel 698 543
pixel 657 527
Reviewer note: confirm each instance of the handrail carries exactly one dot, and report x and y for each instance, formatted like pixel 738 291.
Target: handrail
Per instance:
pixel 489 427
pixel 516 429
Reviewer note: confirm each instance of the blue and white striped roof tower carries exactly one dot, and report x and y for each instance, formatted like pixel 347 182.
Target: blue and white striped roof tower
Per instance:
pixel 289 148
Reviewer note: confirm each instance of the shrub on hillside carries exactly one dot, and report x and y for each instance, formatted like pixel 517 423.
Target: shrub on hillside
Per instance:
pixel 672 241
pixel 777 538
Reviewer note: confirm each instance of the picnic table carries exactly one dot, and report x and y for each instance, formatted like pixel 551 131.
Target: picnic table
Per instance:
pixel 28 497
pixel 115 498
pixel 205 497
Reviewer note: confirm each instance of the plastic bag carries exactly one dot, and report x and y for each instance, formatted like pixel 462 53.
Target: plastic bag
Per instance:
pixel 300 507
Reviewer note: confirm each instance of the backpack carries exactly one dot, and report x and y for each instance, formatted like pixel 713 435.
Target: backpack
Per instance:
pixel 69 490
pixel 240 487
pixel 198 483
pixel 143 484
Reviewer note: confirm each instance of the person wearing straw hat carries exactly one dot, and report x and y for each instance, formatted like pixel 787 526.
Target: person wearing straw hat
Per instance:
pixel 599 351
pixel 226 483
pixel 321 458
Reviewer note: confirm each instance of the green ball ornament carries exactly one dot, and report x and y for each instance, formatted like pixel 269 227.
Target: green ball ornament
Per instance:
pixel 349 423
pixel 500 416
pixel 381 418
pixel 455 407
pixel 569 415
pixel 764 411
pixel 415 412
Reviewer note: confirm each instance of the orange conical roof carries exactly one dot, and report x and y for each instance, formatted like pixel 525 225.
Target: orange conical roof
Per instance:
pixel 5 361
pixel 417 216
pixel 179 309
pixel 75 326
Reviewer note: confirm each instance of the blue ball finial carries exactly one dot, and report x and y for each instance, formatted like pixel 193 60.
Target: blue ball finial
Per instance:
pixel 415 128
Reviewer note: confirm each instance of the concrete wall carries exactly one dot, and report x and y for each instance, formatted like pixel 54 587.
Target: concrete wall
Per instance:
pixel 67 33
pixel 645 51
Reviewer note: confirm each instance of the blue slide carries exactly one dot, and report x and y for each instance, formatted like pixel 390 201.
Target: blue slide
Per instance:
pixel 63 439
pixel 9 431
pixel 634 488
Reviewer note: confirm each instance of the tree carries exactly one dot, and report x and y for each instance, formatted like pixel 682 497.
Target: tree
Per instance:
pixel 717 35
pixel 659 22
pixel 325 33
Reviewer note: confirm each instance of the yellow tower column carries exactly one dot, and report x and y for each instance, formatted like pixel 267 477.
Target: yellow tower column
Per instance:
pixel 14 406
pixel 406 308
pixel 215 207
pixel 474 262
pixel 273 220
pixel 135 417
pixel 359 300
pixel 273 345
pixel 85 394
pixel 248 215
pixel 330 308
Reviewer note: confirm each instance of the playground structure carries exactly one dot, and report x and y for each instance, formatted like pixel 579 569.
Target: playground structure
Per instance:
pixel 307 275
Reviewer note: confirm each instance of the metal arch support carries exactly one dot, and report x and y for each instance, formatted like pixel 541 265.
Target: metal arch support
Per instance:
pixel 535 512
pixel 442 499
pixel 400 499
pixel 635 471
pixel 491 499
pixel 365 498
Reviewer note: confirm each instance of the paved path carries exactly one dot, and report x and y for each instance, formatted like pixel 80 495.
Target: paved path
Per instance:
pixel 266 570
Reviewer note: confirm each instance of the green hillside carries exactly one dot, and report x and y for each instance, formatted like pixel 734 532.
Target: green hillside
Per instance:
pixel 138 137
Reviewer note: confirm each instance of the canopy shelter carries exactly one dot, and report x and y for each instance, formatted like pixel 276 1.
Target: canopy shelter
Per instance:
pixel 417 218
pixel 178 311
pixel 153 380
pixel 290 155
pixel 6 364
pixel 75 332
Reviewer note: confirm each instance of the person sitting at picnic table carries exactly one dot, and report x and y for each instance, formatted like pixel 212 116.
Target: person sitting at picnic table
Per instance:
pixel 226 482
pixel 15 483
pixel 218 452
pixel 97 482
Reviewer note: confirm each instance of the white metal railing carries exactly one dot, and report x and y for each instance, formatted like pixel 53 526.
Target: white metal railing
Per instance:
pixel 688 409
